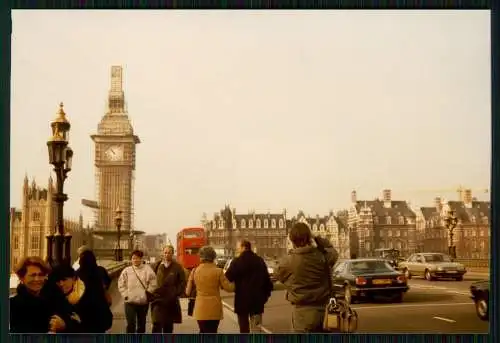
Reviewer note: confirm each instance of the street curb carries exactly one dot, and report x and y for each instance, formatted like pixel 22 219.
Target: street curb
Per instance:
pixel 230 308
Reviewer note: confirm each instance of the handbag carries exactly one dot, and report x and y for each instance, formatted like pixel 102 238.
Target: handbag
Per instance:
pixel 339 316
pixel 149 296
pixel 192 297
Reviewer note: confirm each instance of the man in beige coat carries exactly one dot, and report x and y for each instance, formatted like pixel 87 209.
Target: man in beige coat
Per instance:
pixel 207 280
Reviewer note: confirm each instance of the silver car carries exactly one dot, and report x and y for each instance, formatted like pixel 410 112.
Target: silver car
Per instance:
pixel 432 266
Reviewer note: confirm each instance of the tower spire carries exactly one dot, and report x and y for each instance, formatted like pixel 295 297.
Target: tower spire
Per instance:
pixel 116 96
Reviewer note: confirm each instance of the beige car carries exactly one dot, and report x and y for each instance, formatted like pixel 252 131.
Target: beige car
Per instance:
pixel 432 266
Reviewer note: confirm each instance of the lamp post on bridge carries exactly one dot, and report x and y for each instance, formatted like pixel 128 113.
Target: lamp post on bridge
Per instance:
pixel 60 156
pixel 118 223
pixel 450 222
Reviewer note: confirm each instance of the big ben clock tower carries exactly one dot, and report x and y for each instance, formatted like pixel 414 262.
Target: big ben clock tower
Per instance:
pixel 115 148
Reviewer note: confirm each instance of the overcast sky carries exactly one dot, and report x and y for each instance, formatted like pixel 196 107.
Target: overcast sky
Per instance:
pixel 259 109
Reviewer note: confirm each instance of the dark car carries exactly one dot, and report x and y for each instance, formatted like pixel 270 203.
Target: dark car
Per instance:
pixel 272 266
pixel 221 261
pixel 480 293
pixel 368 277
pixel 392 256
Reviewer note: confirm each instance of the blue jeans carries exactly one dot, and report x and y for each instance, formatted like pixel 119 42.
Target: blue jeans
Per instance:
pixel 136 317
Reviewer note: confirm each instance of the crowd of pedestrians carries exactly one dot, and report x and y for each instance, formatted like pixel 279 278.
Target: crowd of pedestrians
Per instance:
pixel 76 299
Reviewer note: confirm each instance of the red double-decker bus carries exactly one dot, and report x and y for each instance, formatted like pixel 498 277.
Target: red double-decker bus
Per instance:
pixel 189 242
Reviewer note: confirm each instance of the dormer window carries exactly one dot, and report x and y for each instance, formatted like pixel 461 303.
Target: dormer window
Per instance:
pixel 388 220
pixel 315 227
pixel 257 223
pixel 473 219
pixel 250 223
pixel 221 224
pixel 243 224
pixel 266 223
pixel 401 220
pixel 281 223
pixel 273 223
pixel 322 227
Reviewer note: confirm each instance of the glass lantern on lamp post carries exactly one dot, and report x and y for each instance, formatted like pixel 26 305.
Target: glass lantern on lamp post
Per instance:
pixel 60 156
pixel 118 223
pixel 450 222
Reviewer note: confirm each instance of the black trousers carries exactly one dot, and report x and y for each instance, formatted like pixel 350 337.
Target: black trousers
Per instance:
pixel 165 327
pixel 136 317
pixel 245 319
pixel 208 326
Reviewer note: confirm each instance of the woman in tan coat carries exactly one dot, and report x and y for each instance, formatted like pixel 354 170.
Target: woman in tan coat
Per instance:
pixel 207 280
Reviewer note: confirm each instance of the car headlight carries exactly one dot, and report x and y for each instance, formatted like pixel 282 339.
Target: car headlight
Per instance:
pixel 270 270
pixel 440 269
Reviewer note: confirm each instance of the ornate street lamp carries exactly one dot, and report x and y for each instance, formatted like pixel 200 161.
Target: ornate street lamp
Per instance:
pixel 60 156
pixel 451 221
pixel 118 223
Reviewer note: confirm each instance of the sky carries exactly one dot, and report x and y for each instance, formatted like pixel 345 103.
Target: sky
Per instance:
pixel 260 110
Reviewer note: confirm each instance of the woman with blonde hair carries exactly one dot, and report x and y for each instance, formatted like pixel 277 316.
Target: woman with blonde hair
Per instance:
pixel 204 284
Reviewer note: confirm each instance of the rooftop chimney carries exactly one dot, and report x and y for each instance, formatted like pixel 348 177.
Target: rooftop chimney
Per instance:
pixel 438 204
pixel 467 197
pixel 354 197
pixel 387 198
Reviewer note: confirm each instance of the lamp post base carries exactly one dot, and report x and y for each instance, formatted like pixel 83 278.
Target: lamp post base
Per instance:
pixel 452 251
pixel 118 255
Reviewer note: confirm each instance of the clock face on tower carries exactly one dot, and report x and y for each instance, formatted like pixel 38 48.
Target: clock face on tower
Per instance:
pixel 114 153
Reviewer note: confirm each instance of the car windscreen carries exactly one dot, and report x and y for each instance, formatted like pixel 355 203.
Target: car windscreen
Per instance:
pixel 359 267
pixel 437 258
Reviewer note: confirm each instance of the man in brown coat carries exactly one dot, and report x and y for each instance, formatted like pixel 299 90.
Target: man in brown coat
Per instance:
pixel 171 281
pixel 305 275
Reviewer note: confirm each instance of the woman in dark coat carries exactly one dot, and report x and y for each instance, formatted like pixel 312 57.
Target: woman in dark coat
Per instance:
pixel 31 311
pixel 94 306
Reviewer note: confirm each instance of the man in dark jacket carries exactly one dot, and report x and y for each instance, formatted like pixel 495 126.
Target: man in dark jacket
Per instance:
pixel 305 272
pixel 253 286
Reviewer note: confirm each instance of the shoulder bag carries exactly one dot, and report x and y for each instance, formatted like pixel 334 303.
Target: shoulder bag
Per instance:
pixel 192 297
pixel 339 316
pixel 149 296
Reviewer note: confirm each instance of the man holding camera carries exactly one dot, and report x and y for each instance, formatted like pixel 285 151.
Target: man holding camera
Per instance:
pixel 305 272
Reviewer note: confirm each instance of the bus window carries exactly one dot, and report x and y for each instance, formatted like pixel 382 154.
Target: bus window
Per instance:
pixel 191 251
pixel 192 235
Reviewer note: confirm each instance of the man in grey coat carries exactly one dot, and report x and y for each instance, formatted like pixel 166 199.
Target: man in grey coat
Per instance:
pixel 304 272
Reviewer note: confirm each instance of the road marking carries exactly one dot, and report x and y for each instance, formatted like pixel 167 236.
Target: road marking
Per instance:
pixel 235 318
pixel 411 305
pixel 458 292
pixel 445 319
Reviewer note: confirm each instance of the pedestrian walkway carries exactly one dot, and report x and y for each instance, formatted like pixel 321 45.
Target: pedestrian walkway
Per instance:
pixel 188 325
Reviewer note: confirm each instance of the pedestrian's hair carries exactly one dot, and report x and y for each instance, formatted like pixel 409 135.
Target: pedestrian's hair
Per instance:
pixel 300 235
pixel 245 244
pixel 170 247
pixel 137 253
pixel 62 272
pixel 207 254
pixel 29 261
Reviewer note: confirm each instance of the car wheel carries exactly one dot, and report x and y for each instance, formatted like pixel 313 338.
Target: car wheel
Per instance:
pixel 347 294
pixel 407 274
pixel 398 298
pixel 482 308
pixel 428 275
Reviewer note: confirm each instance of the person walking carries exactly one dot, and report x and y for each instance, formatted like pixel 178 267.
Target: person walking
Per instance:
pixel 94 305
pixel 171 284
pixel 205 281
pixel 305 272
pixel 134 284
pixel 253 287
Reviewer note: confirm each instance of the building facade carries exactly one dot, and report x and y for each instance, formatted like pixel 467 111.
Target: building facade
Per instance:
pixel 381 223
pixel 330 227
pixel 472 234
pixel 266 231
pixel 153 244
pixel 115 151
pixel 30 224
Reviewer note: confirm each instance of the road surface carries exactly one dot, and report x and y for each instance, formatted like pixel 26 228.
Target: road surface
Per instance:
pixel 428 307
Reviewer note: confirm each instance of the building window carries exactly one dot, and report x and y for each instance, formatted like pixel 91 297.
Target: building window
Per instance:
pixel 321 227
pixel 266 223
pixel 243 224
pixel 473 219
pixel 485 220
pixel 389 233
pixel 35 242
pixel 36 216
pixel 397 233
pixel 315 227
pixel 250 223
pixel 281 223
pixel 234 224
pixel 221 224
pixel 257 224
pixel 401 220
pixel 405 233
pixel 273 223
pixel 375 220
pixel 388 220
pixel 15 242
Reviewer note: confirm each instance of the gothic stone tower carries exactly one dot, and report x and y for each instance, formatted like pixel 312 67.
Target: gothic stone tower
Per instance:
pixel 115 147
